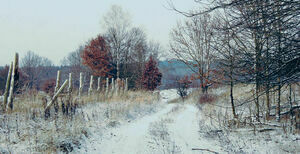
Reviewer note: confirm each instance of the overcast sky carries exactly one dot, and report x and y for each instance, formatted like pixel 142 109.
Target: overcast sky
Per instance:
pixel 53 28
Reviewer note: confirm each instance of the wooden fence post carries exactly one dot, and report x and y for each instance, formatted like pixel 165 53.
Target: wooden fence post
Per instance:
pixel 112 86
pixel 99 84
pixel 56 106
pixel 117 86
pixel 7 86
pixel 70 89
pixel 107 84
pixel 126 84
pixel 80 84
pixel 56 95
pixel 12 82
pixel 70 84
pixel 91 85
pixel 57 81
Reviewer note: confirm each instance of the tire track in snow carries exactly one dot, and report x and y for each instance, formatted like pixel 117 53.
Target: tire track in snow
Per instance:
pixel 179 123
pixel 129 138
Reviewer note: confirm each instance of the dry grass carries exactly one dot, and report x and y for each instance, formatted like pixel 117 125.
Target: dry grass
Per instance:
pixel 220 111
pixel 26 130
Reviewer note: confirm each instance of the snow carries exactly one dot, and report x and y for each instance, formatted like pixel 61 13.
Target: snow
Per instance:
pixel 181 127
pixel 177 122
pixel 167 125
pixel 130 138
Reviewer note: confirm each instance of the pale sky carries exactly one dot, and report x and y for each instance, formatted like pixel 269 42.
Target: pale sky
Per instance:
pixel 53 28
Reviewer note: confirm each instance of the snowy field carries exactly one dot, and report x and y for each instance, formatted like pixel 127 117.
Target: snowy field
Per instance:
pixel 165 125
pixel 185 128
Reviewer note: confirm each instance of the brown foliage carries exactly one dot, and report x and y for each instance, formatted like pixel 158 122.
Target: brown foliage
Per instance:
pixel 207 98
pixel 151 76
pixel 183 85
pixel 48 86
pixel 97 57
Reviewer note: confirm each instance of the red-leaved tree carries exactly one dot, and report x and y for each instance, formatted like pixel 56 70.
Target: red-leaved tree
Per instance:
pixel 97 57
pixel 151 76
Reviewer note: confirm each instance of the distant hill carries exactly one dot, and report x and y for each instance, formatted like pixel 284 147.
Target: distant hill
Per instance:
pixel 172 69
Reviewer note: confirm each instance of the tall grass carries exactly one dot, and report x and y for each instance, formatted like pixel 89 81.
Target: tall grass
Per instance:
pixel 26 130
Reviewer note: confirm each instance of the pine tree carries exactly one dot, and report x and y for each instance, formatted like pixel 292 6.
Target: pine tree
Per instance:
pixel 97 57
pixel 151 75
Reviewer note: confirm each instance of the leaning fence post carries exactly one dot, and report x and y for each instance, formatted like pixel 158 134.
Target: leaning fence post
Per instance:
pixel 12 82
pixel 56 95
pixel 91 85
pixel 80 84
pixel 7 86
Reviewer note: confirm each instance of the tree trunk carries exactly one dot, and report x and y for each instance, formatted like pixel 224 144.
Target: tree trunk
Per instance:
pixel 268 100
pixel 232 100
pixel 118 65
pixel 231 91
pixel 278 100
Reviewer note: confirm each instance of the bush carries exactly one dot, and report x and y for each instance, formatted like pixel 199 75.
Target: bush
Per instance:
pixel 207 98
pixel 49 86
pixel 182 86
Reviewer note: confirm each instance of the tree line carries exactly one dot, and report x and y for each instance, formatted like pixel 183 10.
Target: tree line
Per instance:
pixel 121 51
pixel 242 41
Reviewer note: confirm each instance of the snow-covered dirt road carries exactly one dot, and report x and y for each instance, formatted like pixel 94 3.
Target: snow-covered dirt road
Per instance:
pixel 173 129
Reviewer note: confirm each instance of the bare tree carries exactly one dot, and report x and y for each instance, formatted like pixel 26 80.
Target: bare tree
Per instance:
pixel 155 49
pixel 33 65
pixel 191 43
pixel 117 25
pixel 73 62
pixel 269 43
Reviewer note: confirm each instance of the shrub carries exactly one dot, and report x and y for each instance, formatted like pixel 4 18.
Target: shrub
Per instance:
pixel 182 86
pixel 48 86
pixel 207 98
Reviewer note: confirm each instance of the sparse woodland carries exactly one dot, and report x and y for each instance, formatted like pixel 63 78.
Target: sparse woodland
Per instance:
pixel 245 42
pixel 242 91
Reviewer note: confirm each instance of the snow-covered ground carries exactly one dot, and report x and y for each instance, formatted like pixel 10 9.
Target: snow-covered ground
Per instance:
pixel 145 126
pixel 173 129
pixel 185 128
